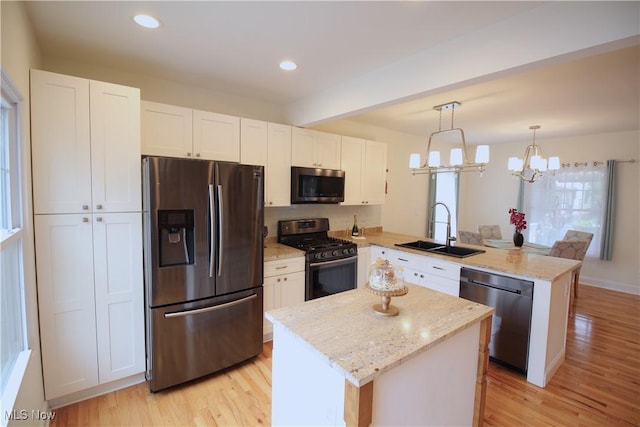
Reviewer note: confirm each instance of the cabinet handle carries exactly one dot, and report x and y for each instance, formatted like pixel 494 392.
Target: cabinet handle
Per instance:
pixel 85 219
pixel 98 206
pixel 438 268
pixel 197 154
pixel 422 276
pixel 85 207
pixel 281 267
pixel 278 279
pixel 270 203
pixel 285 279
pixel 99 219
pixel 188 154
pixel 402 259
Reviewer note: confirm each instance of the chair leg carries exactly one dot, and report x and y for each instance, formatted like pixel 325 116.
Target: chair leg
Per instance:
pixel 576 279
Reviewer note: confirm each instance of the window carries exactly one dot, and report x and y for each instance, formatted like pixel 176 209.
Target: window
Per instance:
pixel 572 199
pixel 13 336
pixel 444 189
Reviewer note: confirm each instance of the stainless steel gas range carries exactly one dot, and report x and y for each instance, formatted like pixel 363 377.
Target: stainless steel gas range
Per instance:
pixel 331 263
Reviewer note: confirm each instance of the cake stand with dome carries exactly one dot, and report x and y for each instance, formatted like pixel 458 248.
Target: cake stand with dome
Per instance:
pixel 386 281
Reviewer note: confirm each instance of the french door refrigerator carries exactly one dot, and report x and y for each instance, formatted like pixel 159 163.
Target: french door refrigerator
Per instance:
pixel 203 256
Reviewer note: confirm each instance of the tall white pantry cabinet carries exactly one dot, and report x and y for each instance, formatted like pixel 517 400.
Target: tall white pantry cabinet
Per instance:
pixel 88 231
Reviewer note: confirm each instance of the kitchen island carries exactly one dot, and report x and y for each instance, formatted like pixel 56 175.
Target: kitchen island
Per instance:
pixel 337 362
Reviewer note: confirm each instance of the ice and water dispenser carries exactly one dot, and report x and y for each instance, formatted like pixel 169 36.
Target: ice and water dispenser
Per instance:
pixel 175 231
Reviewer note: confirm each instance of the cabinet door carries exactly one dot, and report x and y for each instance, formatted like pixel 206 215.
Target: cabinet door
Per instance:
pixel 115 148
pixel 352 153
pixel 292 289
pixel 66 303
pixel 303 148
pixel 328 150
pixel 60 143
pixel 253 142
pixel 166 130
pixel 278 170
pixel 117 244
pixel 216 136
pixel 374 173
pixel 364 263
pixel 269 302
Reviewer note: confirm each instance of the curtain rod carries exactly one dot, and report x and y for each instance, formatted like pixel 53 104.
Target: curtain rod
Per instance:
pixel 594 163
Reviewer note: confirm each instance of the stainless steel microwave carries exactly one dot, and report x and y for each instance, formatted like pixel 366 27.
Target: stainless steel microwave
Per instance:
pixel 312 185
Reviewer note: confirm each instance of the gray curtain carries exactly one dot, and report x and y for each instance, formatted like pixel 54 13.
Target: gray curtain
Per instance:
pixel 433 177
pixel 606 246
pixel 520 201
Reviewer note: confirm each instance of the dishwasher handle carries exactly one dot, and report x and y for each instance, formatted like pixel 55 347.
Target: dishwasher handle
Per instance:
pixel 489 285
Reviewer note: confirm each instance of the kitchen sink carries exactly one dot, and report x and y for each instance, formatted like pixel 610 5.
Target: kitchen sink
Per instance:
pixel 439 248
pixel 421 245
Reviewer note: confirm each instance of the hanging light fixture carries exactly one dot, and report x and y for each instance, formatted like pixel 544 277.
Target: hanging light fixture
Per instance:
pixel 458 158
pixel 533 165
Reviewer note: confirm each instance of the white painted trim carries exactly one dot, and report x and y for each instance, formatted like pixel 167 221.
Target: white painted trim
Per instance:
pixel 627 288
pixel 8 398
pixel 96 391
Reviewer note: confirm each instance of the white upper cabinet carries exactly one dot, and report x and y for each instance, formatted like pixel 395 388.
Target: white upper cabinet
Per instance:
pixel 216 136
pixel 314 149
pixel 168 130
pixel 85 145
pixel 364 163
pixel 269 145
pixel 278 170
pixel 253 142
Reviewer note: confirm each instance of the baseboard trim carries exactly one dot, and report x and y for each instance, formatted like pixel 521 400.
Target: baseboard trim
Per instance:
pixel 612 286
pixel 79 396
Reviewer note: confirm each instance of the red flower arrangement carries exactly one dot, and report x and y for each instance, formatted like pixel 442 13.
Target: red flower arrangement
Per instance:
pixel 517 218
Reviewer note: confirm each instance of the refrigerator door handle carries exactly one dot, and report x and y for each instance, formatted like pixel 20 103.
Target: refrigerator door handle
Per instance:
pixel 208 309
pixel 220 229
pixel 212 232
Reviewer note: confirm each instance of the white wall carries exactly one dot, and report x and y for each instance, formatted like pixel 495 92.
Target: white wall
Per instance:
pixel 487 200
pixel 19 54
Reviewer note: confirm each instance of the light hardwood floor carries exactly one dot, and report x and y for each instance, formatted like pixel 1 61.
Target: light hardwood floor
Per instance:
pixel 598 385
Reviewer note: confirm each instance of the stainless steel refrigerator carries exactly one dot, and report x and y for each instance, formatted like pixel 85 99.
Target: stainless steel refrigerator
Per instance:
pixel 203 256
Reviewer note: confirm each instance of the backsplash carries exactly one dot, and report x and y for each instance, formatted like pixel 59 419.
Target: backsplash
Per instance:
pixel 340 217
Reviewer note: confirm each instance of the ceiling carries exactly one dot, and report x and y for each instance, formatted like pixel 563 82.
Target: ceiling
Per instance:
pixel 235 47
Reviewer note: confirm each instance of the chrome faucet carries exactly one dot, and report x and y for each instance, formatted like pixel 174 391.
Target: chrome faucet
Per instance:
pixel 450 238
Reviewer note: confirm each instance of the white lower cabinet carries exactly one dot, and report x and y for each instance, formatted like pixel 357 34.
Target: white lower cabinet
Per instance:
pixel 283 287
pixel 91 300
pixel 364 262
pixel 423 270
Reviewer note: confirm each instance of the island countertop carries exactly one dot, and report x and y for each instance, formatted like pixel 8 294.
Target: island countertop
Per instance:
pixel 345 331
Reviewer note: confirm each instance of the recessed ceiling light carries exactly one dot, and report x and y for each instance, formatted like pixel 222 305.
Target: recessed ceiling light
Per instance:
pixel 288 65
pixel 146 21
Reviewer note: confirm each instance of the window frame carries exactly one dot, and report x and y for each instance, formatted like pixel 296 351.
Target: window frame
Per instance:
pixel 12 234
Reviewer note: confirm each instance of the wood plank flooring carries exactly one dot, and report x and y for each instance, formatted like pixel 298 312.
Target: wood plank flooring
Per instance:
pixel 598 385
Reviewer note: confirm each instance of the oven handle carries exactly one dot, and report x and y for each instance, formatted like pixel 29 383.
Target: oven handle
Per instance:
pixel 336 261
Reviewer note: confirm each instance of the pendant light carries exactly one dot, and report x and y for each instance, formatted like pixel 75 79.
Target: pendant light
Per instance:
pixel 531 167
pixel 458 158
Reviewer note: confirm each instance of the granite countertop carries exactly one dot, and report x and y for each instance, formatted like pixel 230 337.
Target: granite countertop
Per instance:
pixel 509 261
pixel 345 331
pixel 275 251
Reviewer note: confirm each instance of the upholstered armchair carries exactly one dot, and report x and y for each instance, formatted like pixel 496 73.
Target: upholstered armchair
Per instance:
pixel 571 249
pixel 490 231
pixel 470 238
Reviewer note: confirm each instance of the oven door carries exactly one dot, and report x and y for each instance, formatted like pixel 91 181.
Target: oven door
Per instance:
pixel 331 277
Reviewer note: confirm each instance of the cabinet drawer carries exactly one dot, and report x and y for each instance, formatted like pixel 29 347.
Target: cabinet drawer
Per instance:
pixel 283 266
pixel 440 284
pixel 443 269
pixel 405 259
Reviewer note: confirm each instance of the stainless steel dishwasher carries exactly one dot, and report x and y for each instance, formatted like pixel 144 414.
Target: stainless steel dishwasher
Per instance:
pixel 513 300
